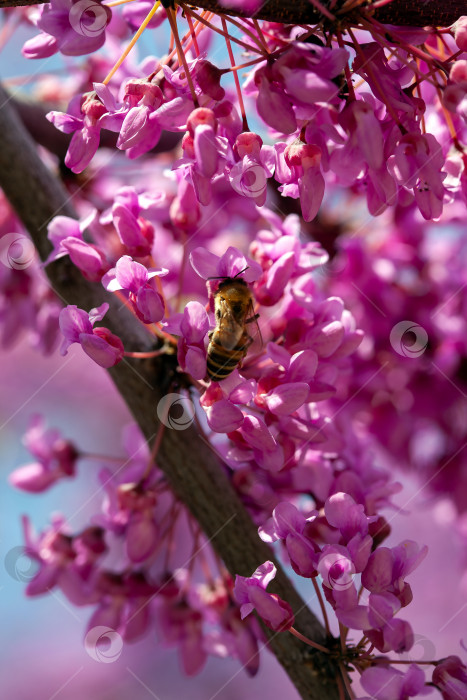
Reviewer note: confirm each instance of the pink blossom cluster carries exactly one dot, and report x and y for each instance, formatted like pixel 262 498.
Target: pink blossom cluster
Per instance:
pixel 277 441
pixel 381 570
pixel 415 377
pixel 139 511
pixel 371 136
pixel 27 304
pixel 329 383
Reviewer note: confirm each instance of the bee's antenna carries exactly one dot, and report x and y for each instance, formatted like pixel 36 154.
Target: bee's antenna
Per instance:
pixel 226 277
pixel 241 272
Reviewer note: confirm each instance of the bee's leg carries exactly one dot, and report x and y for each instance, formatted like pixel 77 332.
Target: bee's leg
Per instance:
pixel 249 340
pixel 253 318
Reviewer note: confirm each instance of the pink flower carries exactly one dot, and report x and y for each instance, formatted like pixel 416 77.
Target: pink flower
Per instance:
pixel 385 683
pixel 450 676
pixel 180 625
pixel 88 114
pixel 267 451
pixel 347 516
pixel 60 229
pixel 224 417
pixel 249 175
pixel 304 161
pixel 136 12
pixel 87 257
pixel 65 561
pixel 134 278
pixel 70 28
pixel 140 131
pixel 56 458
pixel 193 327
pixel 136 509
pixel 460 32
pixel 288 524
pixel 273 105
pixel 135 232
pixel 102 346
pixel 416 164
pixel 252 595
pixel 208 78
pixel 230 264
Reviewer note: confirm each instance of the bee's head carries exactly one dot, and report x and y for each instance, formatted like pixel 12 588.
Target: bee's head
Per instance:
pixel 231 282
pixel 229 279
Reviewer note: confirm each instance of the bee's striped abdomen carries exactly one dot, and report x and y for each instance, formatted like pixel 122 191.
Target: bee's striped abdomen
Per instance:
pixel 222 362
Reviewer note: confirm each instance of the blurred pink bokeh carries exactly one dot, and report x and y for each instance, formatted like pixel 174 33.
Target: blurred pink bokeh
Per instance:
pixel 43 650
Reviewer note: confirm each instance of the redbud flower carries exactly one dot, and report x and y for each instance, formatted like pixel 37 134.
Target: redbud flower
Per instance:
pixel 460 32
pixel 69 28
pixel 207 264
pixel 141 131
pixel 55 456
pixel 252 595
pixel 304 161
pixel 450 676
pixel 180 624
pixel 88 114
pixel 208 78
pixel 135 12
pixel 386 683
pixel 288 524
pixel 134 278
pixel 59 229
pixel 105 348
pixel 192 326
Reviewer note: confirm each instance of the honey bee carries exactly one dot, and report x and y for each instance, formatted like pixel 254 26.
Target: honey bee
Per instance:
pixel 229 341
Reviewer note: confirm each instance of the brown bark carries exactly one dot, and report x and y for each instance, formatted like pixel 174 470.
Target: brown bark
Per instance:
pixel 439 13
pixel 190 466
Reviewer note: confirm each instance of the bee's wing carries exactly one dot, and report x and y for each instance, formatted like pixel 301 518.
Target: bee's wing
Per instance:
pixel 229 330
pixel 253 318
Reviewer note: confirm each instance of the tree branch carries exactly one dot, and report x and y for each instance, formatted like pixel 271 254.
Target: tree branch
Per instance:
pixel 192 469
pixel 438 13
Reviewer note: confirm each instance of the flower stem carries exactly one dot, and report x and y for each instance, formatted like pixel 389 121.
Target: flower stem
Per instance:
pixel 216 29
pixel 181 54
pixel 235 74
pixel 145 23
pixel 322 606
pixel 193 35
pixel 144 355
pixel 310 643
